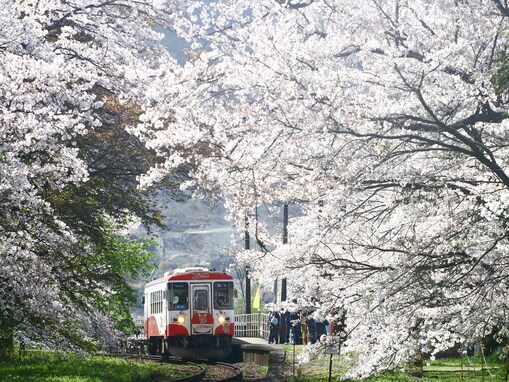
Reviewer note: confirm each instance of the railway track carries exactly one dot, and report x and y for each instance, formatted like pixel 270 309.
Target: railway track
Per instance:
pixel 222 372
pixel 199 371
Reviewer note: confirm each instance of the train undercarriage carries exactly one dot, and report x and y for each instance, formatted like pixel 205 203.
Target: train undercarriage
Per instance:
pixel 196 347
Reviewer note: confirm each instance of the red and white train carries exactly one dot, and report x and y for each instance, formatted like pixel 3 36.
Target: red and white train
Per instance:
pixel 189 313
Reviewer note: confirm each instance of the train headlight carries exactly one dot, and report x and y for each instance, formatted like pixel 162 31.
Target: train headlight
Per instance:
pixel 221 319
pixel 180 319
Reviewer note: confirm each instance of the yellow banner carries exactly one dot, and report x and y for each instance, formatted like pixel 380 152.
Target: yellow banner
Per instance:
pixel 256 300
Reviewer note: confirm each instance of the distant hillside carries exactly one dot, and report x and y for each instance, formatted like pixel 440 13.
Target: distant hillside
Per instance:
pixel 196 233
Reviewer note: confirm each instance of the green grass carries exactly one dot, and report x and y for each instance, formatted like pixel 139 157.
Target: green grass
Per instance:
pixel 461 369
pixel 51 367
pixel 315 371
pixel 465 369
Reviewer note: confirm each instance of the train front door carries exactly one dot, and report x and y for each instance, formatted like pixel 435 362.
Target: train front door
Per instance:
pixel 202 320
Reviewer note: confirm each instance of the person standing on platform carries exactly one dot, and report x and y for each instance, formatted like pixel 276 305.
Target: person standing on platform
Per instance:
pixel 311 326
pixel 288 327
pixel 320 327
pixel 274 320
pixel 304 327
pixel 295 325
pixel 282 327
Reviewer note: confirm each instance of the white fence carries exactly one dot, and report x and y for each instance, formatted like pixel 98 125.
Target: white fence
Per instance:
pixel 252 325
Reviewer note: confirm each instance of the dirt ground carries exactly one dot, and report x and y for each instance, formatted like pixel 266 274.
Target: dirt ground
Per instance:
pixel 253 372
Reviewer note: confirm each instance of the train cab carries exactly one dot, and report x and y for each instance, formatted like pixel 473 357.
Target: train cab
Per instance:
pixel 189 313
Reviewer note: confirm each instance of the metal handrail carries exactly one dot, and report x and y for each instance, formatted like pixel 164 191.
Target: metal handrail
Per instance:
pixel 252 325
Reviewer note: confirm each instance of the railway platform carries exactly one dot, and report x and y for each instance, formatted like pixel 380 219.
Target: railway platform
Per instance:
pixel 251 350
pixel 249 340
pixel 260 352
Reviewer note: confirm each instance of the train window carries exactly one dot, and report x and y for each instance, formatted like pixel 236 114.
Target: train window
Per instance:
pixel 156 302
pixel 200 299
pixel 178 296
pixel 223 295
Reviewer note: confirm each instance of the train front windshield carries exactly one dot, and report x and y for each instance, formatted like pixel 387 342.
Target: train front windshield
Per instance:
pixel 223 295
pixel 178 296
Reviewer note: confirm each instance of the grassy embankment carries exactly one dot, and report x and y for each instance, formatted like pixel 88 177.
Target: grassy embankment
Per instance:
pixel 461 369
pixel 51 367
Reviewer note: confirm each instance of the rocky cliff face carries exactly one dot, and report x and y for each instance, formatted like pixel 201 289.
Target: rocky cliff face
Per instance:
pixel 195 233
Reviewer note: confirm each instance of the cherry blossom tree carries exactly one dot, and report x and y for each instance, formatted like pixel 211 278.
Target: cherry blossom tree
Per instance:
pixel 72 77
pixel 386 122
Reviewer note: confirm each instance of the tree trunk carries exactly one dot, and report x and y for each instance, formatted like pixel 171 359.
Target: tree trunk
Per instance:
pixel 6 342
pixel 416 363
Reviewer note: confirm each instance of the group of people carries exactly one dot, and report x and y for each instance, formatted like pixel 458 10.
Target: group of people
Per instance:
pixel 299 328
